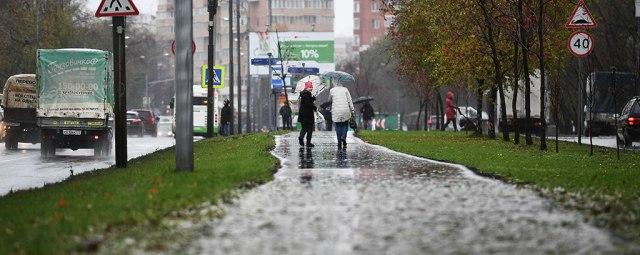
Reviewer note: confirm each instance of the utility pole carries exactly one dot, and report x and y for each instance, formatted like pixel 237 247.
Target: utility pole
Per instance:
pixel 212 7
pixel 249 126
pixel 231 75
pixel 35 3
pixel 120 88
pixel 275 97
pixel 239 67
pixel 184 84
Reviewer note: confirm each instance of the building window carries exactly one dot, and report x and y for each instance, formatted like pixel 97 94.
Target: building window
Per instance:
pixel 356 40
pixel 356 23
pixel 375 23
pixel 356 7
pixel 375 7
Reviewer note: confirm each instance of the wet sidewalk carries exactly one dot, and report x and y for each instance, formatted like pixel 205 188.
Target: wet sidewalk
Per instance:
pixel 370 200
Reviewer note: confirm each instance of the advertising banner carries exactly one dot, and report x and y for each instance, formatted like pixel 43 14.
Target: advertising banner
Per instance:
pixel 314 49
pixel 20 92
pixel 74 83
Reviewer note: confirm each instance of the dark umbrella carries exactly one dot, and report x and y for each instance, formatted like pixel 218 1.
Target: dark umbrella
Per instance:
pixel 325 104
pixel 363 99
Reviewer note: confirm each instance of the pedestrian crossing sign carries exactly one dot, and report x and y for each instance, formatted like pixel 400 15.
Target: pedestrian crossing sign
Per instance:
pixel 112 8
pixel 218 77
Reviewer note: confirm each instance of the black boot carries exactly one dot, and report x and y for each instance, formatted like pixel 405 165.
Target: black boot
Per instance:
pixel 310 145
pixel 344 144
pixel 339 144
pixel 300 141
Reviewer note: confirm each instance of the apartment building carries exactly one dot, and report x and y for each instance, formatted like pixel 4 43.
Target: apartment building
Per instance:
pixel 370 23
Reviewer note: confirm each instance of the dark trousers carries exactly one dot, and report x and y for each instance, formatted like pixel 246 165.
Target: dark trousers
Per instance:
pixel 455 125
pixel 307 128
pixel 286 122
pixel 341 130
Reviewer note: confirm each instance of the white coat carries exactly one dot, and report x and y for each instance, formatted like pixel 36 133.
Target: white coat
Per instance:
pixel 341 106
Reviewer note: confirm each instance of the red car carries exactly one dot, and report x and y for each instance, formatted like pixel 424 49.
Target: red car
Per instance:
pixel 150 121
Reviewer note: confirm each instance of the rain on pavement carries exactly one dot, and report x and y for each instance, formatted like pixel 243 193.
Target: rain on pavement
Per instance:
pixel 371 200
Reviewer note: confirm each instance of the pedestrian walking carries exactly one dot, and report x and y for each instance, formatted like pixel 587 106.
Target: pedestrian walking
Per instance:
pixel 225 118
pixel 367 115
pixel 285 112
pixel 342 111
pixel 306 114
pixel 451 112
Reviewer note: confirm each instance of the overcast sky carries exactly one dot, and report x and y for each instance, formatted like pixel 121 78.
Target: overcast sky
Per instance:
pixel 343 12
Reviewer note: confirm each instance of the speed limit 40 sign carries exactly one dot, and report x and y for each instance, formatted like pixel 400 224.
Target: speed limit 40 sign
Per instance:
pixel 581 44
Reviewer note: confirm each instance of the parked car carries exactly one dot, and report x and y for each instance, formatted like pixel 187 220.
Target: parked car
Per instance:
pixel 629 122
pixel 164 126
pixel 150 121
pixel 135 125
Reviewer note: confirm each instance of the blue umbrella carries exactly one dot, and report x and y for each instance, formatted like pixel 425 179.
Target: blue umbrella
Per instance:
pixel 339 77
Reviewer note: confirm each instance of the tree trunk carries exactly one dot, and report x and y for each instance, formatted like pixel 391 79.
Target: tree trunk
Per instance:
pixel 426 114
pixel 525 71
pixel 440 110
pixel 516 88
pixel 543 135
pixel 497 78
pixel 492 112
pixel 479 105
pixel 419 114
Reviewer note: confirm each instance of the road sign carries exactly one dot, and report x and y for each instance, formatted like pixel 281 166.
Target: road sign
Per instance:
pixel 581 17
pixel 581 44
pixel 276 83
pixel 265 61
pixel 218 78
pixel 114 8
pixel 303 70
pixel 173 47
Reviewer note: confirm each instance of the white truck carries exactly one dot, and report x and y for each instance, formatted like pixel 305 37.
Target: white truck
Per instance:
pixel 75 100
pixel 536 120
pixel 19 105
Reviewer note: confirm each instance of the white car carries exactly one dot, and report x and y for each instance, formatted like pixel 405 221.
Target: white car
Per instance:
pixel 164 126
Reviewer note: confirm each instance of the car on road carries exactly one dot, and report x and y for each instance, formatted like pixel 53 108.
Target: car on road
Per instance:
pixel 150 121
pixel 135 125
pixel 164 126
pixel 629 123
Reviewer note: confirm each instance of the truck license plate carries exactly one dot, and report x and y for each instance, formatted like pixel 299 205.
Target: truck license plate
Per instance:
pixel 71 132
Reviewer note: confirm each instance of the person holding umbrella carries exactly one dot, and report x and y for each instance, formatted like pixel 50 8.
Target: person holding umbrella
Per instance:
pixel 451 112
pixel 342 111
pixel 306 115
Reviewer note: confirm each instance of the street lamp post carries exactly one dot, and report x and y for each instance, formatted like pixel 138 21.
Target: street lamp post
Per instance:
pixel 212 7
pixel 239 67
pixel 231 73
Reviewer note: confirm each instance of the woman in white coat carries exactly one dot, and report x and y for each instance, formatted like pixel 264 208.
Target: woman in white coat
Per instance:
pixel 341 111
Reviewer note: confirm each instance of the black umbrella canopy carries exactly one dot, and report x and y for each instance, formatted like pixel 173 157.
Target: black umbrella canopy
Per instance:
pixel 363 99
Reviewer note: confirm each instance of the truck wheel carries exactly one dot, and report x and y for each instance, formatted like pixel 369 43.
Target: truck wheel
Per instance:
pixel 47 148
pixel 11 143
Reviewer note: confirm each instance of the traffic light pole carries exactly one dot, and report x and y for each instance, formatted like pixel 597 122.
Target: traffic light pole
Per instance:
pixel 213 9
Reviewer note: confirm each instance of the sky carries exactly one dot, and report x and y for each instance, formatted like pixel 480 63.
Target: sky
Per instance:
pixel 343 24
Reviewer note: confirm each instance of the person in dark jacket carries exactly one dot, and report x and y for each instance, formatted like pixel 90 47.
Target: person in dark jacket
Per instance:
pixel 285 112
pixel 225 118
pixel 306 115
pixel 367 115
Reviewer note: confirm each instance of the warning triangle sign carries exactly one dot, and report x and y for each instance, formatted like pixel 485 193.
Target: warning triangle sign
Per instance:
pixel 581 17
pixel 111 8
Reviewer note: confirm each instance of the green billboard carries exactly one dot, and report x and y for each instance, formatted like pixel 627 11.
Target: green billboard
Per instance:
pixel 319 51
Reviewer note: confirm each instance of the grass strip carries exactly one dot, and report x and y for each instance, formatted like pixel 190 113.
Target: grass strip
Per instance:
pixel 52 219
pixel 607 189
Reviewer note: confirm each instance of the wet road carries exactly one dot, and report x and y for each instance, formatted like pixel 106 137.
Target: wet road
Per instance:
pixel 24 168
pixel 371 200
pixel 604 141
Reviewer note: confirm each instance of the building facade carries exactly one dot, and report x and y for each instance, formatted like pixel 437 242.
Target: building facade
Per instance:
pixel 370 23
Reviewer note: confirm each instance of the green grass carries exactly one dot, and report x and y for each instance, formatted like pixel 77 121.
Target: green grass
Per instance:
pixel 607 189
pixel 52 219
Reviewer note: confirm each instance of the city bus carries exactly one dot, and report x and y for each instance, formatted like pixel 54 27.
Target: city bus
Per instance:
pixel 200 112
